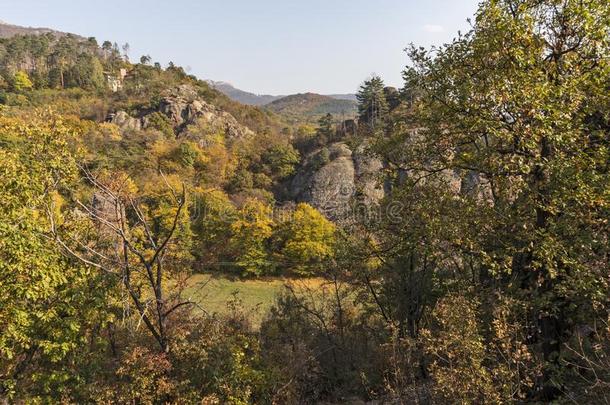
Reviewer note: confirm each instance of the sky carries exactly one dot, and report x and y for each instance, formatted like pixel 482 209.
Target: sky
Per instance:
pixel 263 46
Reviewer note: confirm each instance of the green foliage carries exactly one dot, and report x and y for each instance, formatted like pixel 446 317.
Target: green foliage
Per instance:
pixel 308 107
pixel 457 350
pixel 62 62
pixel 372 104
pixel 189 153
pixel 326 131
pixel 213 218
pixel 484 280
pixel 280 160
pixel 241 180
pixel 46 301
pixel 160 122
pixel 320 159
pixel 87 73
pixel 222 358
pixel 504 132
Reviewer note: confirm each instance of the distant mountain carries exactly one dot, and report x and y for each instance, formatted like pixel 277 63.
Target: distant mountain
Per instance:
pixel 246 97
pixel 242 96
pixel 9 30
pixel 350 97
pixel 310 106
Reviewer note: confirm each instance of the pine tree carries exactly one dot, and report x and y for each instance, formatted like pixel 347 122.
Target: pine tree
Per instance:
pixel 372 104
pixel 325 131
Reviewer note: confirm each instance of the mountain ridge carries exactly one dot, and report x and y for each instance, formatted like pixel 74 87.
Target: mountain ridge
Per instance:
pixel 246 97
pixel 242 96
pixel 8 30
pixel 310 106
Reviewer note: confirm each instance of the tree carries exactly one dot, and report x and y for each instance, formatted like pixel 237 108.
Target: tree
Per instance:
pixel 250 238
pixel 309 241
pixel 63 57
pixel 215 214
pixel 21 81
pixel 372 104
pixel 86 73
pixel 48 303
pixel 504 117
pixel 143 246
pixel 92 43
pixel 145 59
pixel 325 132
pixel 280 160
pixel 126 48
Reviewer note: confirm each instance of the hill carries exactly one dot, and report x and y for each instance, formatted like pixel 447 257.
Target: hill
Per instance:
pixel 310 106
pixel 242 96
pixel 350 97
pixel 246 97
pixel 9 30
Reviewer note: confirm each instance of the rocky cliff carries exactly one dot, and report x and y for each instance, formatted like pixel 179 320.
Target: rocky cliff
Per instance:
pixel 183 107
pixel 338 181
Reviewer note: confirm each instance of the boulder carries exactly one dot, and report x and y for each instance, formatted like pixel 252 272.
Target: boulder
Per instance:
pixel 125 121
pixel 174 108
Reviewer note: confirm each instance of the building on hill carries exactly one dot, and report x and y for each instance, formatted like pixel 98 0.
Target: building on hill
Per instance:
pixel 114 82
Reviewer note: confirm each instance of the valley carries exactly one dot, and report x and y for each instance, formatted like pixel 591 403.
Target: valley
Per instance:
pixel 166 239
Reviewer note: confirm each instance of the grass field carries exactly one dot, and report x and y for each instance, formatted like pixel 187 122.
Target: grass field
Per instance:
pixel 213 293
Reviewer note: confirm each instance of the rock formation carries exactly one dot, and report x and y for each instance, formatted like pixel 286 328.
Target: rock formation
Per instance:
pixel 125 121
pixel 183 107
pixel 335 180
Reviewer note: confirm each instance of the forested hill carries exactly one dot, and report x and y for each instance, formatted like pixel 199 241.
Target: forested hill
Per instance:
pixel 245 97
pixel 310 106
pixel 242 96
pixel 9 30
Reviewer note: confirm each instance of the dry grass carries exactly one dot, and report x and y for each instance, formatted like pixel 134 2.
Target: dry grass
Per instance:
pixel 213 293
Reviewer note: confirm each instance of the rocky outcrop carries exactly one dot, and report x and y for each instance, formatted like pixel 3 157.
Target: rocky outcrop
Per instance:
pixel 336 180
pixel 125 121
pixel 183 107
pixel 368 176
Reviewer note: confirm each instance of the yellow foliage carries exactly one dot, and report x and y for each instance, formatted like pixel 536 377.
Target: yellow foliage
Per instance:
pixel 310 240
pixel 250 234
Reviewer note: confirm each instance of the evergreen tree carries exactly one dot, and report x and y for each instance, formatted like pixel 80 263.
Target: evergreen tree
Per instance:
pixel 87 73
pixel 325 131
pixel 372 104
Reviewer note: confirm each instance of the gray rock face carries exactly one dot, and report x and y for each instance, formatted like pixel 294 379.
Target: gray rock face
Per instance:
pixel 125 121
pixel 183 107
pixel 368 171
pixel 174 108
pixel 460 183
pixel 334 180
pixel 475 185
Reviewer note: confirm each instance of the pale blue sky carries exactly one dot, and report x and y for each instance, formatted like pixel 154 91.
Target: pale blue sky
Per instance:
pixel 263 46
